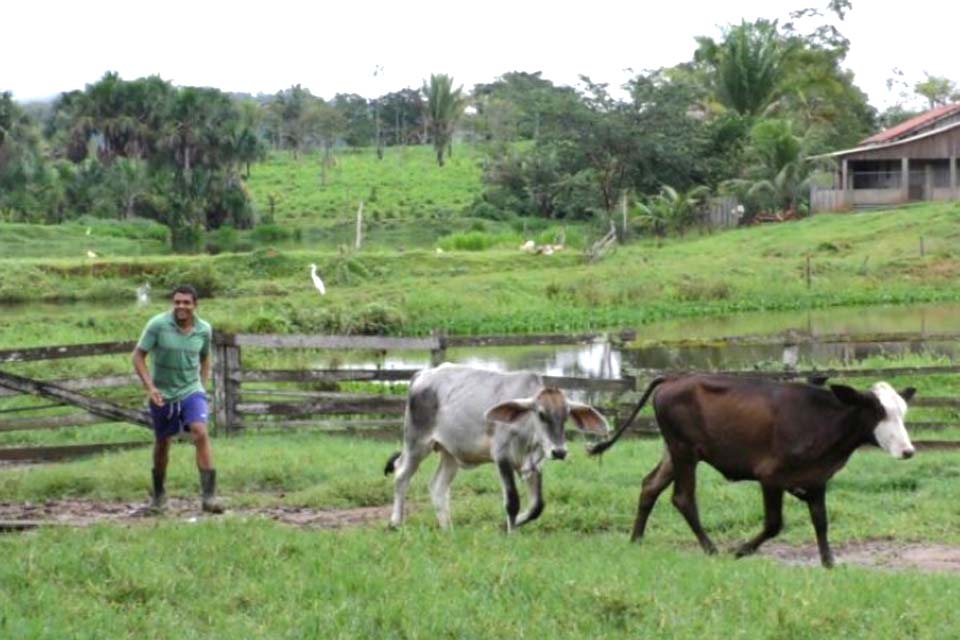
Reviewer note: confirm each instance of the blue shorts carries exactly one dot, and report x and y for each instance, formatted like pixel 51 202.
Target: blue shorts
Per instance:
pixel 176 417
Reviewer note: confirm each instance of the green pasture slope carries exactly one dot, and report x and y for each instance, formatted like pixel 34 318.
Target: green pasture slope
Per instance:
pixel 855 259
pixel 572 574
pixel 406 184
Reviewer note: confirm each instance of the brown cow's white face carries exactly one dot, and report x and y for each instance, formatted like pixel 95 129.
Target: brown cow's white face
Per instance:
pixel 890 433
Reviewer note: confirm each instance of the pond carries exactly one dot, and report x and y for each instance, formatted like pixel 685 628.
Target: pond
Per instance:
pixel 599 360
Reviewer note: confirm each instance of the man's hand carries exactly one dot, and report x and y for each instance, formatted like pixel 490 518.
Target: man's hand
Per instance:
pixel 155 396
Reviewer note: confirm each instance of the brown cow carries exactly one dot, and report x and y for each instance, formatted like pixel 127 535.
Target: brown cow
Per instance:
pixel 788 436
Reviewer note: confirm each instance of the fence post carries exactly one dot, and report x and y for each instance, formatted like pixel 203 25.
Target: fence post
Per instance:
pixel 438 355
pixel 219 383
pixel 226 380
pixel 232 375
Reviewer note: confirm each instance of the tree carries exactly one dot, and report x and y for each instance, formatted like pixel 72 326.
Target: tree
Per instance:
pixel 670 210
pixel 359 128
pixel 937 90
pixel 402 113
pixel 778 178
pixel 326 124
pixel 444 108
pixel 747 65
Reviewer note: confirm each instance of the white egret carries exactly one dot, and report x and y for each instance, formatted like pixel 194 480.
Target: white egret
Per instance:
pixel 91 254
pixel 143 294
pixel 317 282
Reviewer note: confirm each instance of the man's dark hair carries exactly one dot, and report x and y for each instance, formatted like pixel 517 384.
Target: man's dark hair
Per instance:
pixel 189 289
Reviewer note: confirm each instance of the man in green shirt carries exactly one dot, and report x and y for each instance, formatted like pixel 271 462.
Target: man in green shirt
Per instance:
pixel 178 343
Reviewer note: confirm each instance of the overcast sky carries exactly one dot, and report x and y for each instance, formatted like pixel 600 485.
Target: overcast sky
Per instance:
pixel 329 47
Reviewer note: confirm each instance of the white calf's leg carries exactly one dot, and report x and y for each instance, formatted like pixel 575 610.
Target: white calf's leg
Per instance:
pixel 440 487
pixel 413 454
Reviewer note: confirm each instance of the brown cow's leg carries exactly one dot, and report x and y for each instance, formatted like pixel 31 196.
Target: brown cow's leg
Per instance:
pixel 772 520
pixel 653 485
pixel 817 503
pixel 685 500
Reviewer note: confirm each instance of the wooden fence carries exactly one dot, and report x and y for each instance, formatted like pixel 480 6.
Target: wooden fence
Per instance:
pixel 243 398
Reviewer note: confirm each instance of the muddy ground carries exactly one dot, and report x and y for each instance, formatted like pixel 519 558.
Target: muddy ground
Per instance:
pixel 81 513
pixel 881 554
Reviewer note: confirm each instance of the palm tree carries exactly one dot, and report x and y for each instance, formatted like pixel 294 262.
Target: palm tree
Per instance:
pixel 671 210
pixel 444 107
pixel 747 66
pixel 780 175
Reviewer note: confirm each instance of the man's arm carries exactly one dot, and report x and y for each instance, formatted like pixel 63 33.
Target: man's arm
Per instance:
pixel 139 358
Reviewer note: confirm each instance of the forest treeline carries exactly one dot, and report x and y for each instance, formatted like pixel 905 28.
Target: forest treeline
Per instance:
pixel 742 118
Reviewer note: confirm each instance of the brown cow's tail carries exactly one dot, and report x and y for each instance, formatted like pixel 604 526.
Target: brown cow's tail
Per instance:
pixel 600 447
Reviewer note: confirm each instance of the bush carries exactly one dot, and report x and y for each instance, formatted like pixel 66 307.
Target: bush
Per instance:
pixel 699 290
pixel 204 276
pixel 376 318
pixel 268 233
pixel 187 239
pixel 223 239
pixel 472 241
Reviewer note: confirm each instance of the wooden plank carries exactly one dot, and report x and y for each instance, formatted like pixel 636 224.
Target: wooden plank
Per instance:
pixel 65 351
pixel 49 454
pixel 395 423
pixel 456 342
pixel 80 384
pixel 316 395
pixel 794 338
pixel 375 404
pixel 95 406
pixel 326 375
pixel 369 343
pixel 880 373
pixel 50 422
pixel 591 384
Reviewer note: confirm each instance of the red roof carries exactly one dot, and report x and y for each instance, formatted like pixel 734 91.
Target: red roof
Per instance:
pixel 908 126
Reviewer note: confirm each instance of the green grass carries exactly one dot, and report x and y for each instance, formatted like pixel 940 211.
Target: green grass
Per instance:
pixel 407 184
pixel 570 574
pixel 105 238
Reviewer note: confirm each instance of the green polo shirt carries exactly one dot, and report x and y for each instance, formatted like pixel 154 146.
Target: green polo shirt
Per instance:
pixel 175 356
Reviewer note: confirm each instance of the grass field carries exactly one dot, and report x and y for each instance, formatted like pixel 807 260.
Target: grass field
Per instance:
pixel 856 259
pixel 570 574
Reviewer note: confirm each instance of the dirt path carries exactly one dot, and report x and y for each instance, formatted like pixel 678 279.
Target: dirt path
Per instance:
pixel 879 554
pixel 81 513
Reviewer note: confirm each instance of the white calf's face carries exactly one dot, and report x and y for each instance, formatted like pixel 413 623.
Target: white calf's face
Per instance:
pixel 890 433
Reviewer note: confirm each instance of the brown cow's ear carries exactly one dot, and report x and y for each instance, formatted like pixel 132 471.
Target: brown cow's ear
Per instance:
pixel 849 395
pixel 908 393
pixel 509 411
pixel 588 419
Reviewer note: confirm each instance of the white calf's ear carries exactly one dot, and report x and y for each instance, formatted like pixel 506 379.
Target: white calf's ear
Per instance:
pixel 509 411
pixel 588 419
pixel 908 393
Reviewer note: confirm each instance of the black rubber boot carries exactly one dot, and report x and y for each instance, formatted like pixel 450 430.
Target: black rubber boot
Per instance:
pixel 158 499
pixel 208 486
